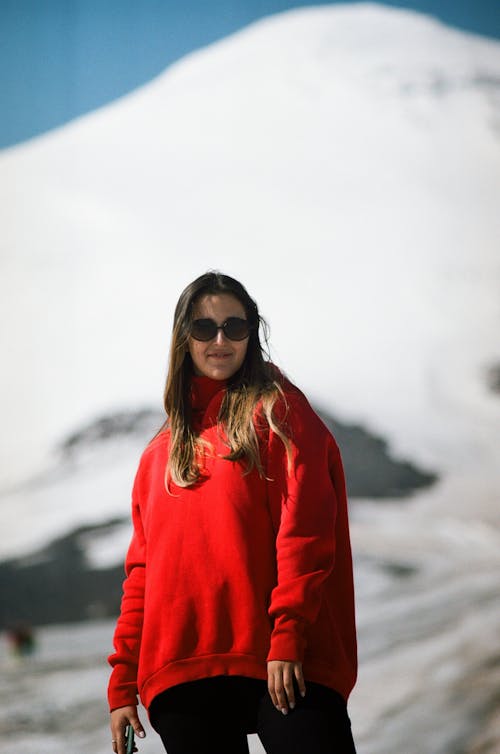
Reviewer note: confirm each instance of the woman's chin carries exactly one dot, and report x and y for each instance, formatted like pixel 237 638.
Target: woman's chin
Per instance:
pixel 217 371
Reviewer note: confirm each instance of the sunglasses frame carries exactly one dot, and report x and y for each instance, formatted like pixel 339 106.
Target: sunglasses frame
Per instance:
pixel 220 327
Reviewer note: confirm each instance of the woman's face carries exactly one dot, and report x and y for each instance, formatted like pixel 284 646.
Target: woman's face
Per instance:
pixel 220 357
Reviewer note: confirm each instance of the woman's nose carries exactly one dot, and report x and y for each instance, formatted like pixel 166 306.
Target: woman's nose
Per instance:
pixel 220 338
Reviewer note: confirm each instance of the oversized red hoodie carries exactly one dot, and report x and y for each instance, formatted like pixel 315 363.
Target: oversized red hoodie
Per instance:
pixel 237 570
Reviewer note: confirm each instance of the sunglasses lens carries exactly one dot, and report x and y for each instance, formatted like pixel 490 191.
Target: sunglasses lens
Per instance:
pixel 203 329
pixel 236 328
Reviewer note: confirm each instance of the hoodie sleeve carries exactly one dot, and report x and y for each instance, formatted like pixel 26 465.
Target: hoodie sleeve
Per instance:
pixel 303 505
pixel 122 689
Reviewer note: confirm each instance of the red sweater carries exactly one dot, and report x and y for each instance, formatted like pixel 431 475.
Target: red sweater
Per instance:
pixel 237 570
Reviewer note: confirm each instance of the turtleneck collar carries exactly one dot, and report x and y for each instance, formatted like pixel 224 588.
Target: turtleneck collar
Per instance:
pixel 203 389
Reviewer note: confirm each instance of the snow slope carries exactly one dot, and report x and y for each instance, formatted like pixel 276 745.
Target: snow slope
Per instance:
pixel 343 161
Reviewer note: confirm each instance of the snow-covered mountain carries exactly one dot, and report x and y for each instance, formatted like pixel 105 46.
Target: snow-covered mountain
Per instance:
pixel 343 161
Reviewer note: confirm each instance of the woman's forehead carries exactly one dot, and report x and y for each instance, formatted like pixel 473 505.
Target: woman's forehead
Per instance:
pixel 217 306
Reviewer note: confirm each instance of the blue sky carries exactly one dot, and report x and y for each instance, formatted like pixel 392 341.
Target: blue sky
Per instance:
pixel 62 58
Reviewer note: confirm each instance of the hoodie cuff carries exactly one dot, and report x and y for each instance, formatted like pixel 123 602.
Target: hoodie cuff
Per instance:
pixel 121 694
pixel 287 640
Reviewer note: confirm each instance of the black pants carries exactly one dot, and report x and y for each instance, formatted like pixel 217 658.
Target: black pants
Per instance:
pixel 214 715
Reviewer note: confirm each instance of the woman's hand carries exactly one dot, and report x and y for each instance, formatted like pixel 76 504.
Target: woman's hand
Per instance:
pixel 280 675
pixel 120 718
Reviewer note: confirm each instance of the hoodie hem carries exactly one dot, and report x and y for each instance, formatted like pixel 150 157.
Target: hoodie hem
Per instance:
pixel 195 668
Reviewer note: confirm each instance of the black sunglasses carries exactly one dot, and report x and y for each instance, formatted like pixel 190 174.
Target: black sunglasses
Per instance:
pixel 234 328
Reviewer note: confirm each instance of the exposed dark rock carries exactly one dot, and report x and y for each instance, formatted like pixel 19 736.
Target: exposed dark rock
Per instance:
pixel 493 378
pixel 142 422
pixel 369 468
pixel 399 570
pixel 56 583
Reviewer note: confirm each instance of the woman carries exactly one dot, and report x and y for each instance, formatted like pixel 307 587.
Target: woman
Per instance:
pixel 238 606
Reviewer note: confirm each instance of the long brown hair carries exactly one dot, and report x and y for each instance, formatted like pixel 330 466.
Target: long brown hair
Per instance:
pixel 256 382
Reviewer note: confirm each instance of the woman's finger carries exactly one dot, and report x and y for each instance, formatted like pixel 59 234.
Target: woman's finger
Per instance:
pixel 281 694
pixel 137 725
pixel 288 673
pixel 118 740
pixel 272 694
pixel 275 685
pixel 270 686
pixel 299 677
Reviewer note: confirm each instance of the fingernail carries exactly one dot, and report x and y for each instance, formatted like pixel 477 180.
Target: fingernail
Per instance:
pixel 292 705
pixel 141 734
pixel 302 693
pixel 284 710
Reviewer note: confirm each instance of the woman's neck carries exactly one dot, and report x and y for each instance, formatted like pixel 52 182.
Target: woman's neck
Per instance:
pixel 203 390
